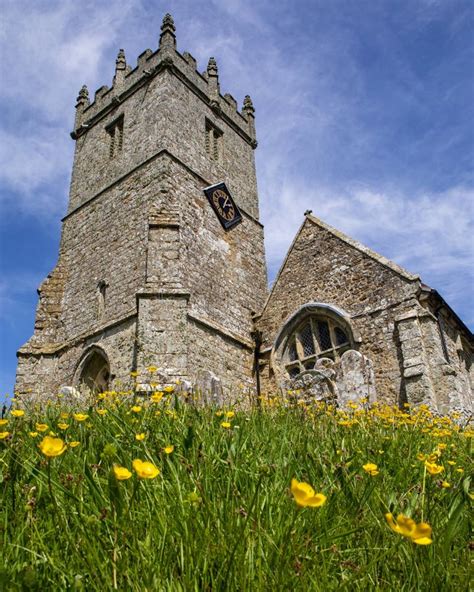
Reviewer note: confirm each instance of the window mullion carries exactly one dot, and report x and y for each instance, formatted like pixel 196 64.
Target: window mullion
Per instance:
pixel 314 329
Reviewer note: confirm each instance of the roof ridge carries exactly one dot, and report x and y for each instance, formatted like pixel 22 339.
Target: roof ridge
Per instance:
pixel 361 247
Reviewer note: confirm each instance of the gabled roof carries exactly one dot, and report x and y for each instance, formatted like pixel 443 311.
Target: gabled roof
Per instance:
pixel 363 249
pixel 309 218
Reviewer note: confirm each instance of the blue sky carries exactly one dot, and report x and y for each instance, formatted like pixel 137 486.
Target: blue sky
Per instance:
pixel 364 114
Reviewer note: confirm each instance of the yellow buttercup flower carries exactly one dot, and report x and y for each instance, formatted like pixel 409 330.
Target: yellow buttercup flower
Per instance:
pixel 371 468
pixel 219 413
pixel 17 413
pixel 63 426
pixel 4 435
pixel 145 469
pixel 80 416
pixel 229 414
pixel 226 424
pixel 3 422
pixel 445 485
pixel 168 449
pixel 169 388
pixel 139 437
pixel 305 496
pixel 33 434
pixel 101 411
pixel 64 415
pixel 121 473
pixel 73 444
pixel 152 369
pixel 134 374
pixel 156 397
pixel 136 409
pixel 418 533
pixel 52 446
pixel 433 468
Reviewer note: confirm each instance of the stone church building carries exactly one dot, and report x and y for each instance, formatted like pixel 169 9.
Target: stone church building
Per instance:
pixel 162 262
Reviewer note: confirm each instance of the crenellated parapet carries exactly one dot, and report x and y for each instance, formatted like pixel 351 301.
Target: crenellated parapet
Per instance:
pixel 127 81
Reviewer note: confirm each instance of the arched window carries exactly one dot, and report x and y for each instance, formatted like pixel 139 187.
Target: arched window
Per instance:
pixel 315 331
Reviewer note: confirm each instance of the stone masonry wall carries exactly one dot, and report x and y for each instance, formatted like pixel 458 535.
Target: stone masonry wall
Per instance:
pixel 165 113
pixel 322 267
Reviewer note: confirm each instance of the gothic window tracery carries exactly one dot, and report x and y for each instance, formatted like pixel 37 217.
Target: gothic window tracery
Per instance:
pixel 315 331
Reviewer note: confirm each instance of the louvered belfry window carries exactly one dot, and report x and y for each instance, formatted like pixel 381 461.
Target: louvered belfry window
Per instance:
pixel 213 141
pixel 314 338
pixel 115 131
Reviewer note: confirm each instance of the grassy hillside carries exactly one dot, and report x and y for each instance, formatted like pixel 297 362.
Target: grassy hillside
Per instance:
pixel 77 513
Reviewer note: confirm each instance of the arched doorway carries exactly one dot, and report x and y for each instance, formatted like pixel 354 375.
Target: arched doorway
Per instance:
pixel 94 371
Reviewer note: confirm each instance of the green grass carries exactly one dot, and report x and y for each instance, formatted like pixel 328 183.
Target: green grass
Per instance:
pixel 220 515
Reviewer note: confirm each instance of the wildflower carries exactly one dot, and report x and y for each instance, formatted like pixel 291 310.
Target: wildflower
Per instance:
pixel 433 468
pixel 52 446
pixel 101 411
pixel 80 416
pixel 157 413
pixel 3 422
pixel 418 533
pixel 145 469
pixel 4 435
pixel 101 396
pixel 63 426
pixel 64 415
pixel 445 485
pixel 156 397
pixel 451 462
pixel 73 444
pixel 121 473
pixel 169 388
pixel 33 434
pixel 305 495
pixel 136 409
pixel 139 437
pixel 152 369
pixel 18 413
pixel 460 470
pixel 371 468
pixel 134 374
pixel 226 424
pixel 219 413
pixel 229 414
pixel 421 457
pixel 168 449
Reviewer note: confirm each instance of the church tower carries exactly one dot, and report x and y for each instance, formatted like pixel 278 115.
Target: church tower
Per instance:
pixel 161 260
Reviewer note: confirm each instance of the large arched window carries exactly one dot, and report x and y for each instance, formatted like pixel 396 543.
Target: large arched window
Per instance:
pixel 315 331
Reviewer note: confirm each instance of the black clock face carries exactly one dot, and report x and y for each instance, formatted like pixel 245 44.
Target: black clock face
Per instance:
pixel 223 205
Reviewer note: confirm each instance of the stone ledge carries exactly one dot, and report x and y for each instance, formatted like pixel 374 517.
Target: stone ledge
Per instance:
pixel 55 348
pixel 221 330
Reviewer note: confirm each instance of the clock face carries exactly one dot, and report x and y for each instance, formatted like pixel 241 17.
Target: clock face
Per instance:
pixel 223 205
